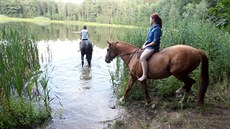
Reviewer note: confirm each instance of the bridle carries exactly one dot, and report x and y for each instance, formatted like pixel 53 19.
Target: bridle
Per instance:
pixel 122 55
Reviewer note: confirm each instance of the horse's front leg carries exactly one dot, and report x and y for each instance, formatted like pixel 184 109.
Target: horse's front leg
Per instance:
pixel 145 89
pixel 132 79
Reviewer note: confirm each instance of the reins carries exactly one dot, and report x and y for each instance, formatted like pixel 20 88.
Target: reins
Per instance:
pixel 126 53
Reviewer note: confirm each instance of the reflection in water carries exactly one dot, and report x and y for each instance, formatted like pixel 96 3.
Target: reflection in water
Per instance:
pixel 85 73
pixel 85 76
pixel 44 53
pixel 83 97
pixel 99 35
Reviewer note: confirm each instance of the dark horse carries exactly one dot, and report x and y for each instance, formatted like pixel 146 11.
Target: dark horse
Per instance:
pixel 178 60
pixel 86 48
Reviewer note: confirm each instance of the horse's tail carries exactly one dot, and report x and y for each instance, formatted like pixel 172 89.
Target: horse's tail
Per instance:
pixel 89 50
pixel 204 77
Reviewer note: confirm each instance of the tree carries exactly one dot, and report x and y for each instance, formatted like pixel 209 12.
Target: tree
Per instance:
pixel 11 8
pixel 174 16
pixel 201 11
pixel 61 11
pixel 220 14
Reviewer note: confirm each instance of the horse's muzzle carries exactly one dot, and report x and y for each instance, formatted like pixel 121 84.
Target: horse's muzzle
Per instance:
pixel 107 60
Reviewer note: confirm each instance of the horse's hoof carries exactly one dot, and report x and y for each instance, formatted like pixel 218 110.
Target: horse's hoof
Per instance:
pixel 178 95
pixel 122 99
pixel 112 106
pixel 184 98
pixel 148 104
pixel 200 102
pixel 179 92
pixel 153 106
pixel 181 102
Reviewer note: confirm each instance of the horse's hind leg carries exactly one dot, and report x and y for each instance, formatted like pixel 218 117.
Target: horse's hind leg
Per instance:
pixel 188 82
pixel 89 57
pixel 82 60
pixel 89 62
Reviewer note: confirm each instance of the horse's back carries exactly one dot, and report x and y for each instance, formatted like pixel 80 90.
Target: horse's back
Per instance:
pixel 173 60
pixel 86 44
pixel 86 48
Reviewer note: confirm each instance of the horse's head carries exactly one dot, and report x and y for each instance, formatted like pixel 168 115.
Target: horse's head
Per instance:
pixel 111 52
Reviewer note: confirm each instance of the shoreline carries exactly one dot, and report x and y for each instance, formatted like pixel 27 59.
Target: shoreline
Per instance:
pixel 69 22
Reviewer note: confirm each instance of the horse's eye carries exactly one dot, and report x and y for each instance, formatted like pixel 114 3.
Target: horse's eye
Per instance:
pixel 107 50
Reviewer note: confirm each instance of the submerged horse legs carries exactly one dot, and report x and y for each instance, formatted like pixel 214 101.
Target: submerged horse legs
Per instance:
pixel 82 60
pixel 89 63
pixel 88 60
pixel 188 82
pixel 89 57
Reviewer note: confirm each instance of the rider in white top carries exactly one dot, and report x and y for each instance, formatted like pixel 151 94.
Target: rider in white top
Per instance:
pixel 84 37
pixel 84 33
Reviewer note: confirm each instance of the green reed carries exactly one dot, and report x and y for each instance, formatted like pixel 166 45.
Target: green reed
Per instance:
pixel 19 76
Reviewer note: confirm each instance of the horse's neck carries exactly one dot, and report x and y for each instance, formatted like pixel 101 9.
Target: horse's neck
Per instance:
pixel 126 52
pixel 126 49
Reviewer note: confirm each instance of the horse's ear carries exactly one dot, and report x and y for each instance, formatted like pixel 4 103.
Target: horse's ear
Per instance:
pixel 108 42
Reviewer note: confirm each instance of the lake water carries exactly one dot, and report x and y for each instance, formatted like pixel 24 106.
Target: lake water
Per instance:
pixel 83 98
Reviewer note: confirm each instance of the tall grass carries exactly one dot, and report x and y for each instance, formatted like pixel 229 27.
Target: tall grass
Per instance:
pixel 19 81
pixel 204 35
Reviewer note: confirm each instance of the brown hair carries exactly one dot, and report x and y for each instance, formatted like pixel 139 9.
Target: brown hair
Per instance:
pixel 84 27
pixel 157 19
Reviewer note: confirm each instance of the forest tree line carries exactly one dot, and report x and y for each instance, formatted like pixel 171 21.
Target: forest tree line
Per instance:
pixel 130 12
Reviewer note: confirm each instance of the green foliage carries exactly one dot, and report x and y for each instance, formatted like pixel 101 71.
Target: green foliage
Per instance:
pixel 205 36
pixel 220 14
pixel 119 11
pixel 19 61
pixel 20 73
pixel 17 114
pixel 165 87
pixel 10 8
pixel 135 36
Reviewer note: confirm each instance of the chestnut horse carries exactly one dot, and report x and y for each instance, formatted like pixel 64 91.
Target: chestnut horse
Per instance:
pixel 178 60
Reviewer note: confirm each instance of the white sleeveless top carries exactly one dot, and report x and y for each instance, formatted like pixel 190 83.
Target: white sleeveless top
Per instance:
pixel 84 34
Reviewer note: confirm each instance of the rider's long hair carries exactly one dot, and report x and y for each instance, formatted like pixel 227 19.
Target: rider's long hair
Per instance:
pixel 157 19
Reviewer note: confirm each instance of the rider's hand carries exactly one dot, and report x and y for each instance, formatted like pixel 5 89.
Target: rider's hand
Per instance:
pixel 144 46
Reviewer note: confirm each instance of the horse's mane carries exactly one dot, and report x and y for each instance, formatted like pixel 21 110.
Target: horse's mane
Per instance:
pixel 126 43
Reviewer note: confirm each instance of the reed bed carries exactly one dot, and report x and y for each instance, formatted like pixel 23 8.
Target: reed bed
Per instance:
pixel 24 95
